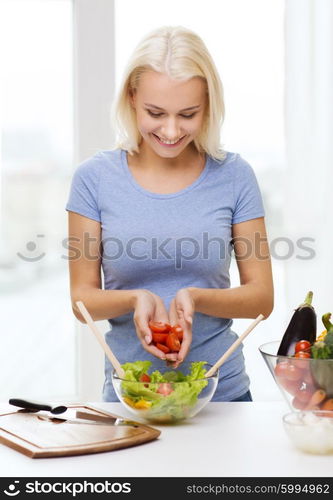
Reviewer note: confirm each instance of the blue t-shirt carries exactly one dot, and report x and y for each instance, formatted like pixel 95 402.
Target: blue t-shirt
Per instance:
pixel 164 242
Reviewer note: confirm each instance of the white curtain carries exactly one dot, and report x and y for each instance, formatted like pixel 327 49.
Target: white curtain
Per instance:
pixel 308 208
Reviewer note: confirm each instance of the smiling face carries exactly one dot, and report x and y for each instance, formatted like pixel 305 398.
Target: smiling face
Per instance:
pixel 170 113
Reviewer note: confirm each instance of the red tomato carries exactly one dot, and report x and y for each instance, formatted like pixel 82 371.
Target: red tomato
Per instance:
pixel 159 327
pixel 164 388
pixel 163 348
pixel 172 342
pixel 307 376
pixel 302 354
pixel 289 385
pixel 293 373
pixel 177 329
pixel 144 377
pixel 281 369
pixel 160 338
pixel 302 362
pixel 299 405
pixel 302 345
pixel 304 395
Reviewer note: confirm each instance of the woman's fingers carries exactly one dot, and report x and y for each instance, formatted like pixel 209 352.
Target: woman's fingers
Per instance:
pixel 185 346
pixel 156 352
pixel 173 312
pixel 172 356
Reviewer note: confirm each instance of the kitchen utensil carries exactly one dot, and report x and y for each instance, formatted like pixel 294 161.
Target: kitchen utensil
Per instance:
pixel 112 358
pixel 67 414
pixel 83 421
pixel 234 346
pixel 37 406
pixel 37 436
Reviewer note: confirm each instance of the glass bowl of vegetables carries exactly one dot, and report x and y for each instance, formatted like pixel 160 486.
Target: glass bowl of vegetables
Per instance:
pixel 305 378
pixel 167 395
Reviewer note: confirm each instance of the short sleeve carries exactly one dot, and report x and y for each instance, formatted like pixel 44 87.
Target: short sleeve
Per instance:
pixel 83 196
pixel 248 203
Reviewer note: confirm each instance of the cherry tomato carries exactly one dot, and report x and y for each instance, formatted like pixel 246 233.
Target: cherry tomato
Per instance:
pixel 304 394
pixel 177 329
pixel 281 369
pixel 307 376
pixel 293 373
pixel 302 354
pixel 302 362
pixel 163 348
pixel 159 327
pixel 160 338
pixel 164 388
pixel 290 386
pixel 173 342
pixel 299 405
pixel 302 345
pixel 144 377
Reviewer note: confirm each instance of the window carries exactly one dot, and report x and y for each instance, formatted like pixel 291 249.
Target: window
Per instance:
pixel 37 355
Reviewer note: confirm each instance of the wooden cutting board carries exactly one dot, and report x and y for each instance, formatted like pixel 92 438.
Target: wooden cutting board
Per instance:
pixel 36 437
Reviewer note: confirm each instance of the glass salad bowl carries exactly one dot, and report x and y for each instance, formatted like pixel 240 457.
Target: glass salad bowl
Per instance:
pixel 305 383
pixel 167 395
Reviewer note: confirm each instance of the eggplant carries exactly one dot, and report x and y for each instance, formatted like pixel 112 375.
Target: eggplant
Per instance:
pixel 302 326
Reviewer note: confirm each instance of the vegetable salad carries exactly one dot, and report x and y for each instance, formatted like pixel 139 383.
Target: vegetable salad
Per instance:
pixel 165 396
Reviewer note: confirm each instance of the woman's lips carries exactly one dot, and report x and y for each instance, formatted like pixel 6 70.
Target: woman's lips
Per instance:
pixel 168 145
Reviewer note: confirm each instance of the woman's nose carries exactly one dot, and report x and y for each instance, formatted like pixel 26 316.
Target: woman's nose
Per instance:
pixel 171 130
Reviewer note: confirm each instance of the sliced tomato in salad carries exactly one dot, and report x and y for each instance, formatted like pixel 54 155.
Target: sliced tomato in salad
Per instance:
pixel 164 388
pixel 144 377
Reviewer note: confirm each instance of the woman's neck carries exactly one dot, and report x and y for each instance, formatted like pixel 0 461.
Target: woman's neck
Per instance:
pixel 147 159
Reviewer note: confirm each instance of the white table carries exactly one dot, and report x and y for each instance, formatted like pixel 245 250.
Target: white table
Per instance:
pixel 224 440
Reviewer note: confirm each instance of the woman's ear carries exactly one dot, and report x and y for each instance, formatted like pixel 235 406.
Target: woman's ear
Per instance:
pixel 131 96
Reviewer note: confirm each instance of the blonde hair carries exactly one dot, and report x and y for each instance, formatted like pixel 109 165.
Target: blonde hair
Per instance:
pixel 181 54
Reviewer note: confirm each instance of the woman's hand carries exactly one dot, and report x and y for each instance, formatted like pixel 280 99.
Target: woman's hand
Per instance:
pixel 181 312
pixel 149 307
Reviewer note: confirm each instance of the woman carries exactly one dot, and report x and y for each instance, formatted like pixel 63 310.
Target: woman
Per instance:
pixel 161 212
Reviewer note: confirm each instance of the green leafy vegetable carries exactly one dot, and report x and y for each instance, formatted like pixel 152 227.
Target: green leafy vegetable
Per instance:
pixel 322 372
pixel 323 349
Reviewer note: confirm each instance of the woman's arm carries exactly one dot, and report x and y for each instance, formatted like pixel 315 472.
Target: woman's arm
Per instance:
pixel 255 294
pixel 85 285
pixel 85 272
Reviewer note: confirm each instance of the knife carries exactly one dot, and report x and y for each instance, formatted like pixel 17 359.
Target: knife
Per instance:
pixel 70 415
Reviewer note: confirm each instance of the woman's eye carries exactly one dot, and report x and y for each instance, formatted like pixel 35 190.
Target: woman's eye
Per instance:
pixel 156 115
